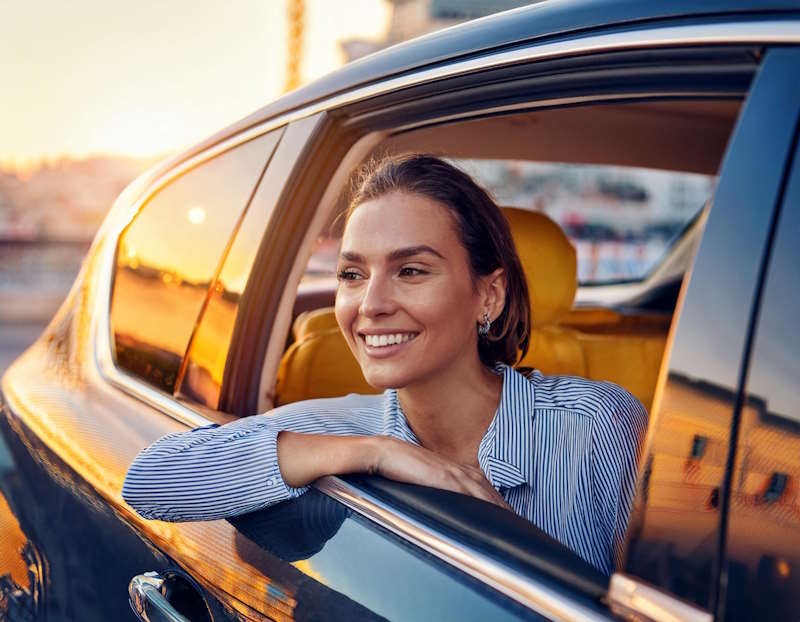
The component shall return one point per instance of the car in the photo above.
(205, 298)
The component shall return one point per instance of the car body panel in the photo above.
(680, 504)
(762, 546)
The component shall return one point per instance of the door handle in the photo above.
(147, 601)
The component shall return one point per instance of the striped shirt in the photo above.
(561, 450)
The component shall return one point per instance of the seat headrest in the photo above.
(549, 261)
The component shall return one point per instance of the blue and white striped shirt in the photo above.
(561, 450)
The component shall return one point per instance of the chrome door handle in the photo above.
(147, 601)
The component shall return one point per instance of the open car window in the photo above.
(623, 202)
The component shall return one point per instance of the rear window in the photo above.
(622, 220)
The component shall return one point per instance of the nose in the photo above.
(378, 297)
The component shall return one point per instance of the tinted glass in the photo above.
(168, 256)
(674, 532)
(208, 352)
(764, 523)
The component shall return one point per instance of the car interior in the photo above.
(614, 329)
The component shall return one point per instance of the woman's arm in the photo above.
(221, 471)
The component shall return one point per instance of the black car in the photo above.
(206, 297)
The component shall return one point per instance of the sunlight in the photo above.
(196, 215)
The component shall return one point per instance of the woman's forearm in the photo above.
(302, 458)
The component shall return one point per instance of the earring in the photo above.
(483, 329)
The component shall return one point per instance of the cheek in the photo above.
(346, 309)
(450, 310)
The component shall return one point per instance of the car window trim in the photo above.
(544, 599)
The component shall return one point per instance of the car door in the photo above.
(692, 476)
(762, 547)
(382, 551)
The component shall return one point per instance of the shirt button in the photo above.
(270, 482)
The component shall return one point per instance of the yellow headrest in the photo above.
(549, 261)
(314, 321)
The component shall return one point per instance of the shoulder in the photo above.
(353, 403)
(351, 414)
(605, 403)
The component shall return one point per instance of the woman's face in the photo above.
(406, 301)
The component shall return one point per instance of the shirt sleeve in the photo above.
(617, 436)
(217, 471)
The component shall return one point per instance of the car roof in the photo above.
(492, 33)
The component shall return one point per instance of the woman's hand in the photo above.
(405, 462)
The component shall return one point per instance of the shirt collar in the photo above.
(505, 451)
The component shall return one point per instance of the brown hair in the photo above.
(483, 230)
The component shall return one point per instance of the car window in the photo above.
(621, 345)
(167, 259)
(622, 220)
(764, 524)
(208, 351)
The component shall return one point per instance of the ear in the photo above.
(493, 294)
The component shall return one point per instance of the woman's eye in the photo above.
(347, 275)
(410, 271)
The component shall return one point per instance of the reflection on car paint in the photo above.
(21, 569)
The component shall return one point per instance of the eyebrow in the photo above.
(400, 253)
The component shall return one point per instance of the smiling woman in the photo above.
(433, 304)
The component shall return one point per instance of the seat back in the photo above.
(319, 363)
(550, 264)
(599, 344)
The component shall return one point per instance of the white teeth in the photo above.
(377, 341)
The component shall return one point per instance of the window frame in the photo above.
(321, 159)
(776, 264)
(405, 109)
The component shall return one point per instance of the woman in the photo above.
(433, 303)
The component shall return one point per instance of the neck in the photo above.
(449, 413)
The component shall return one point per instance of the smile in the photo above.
(381, 341)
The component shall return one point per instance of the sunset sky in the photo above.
(144, 78)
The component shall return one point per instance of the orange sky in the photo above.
(147, 77)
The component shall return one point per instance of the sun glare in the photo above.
(196, 215)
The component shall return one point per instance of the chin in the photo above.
(387, 378)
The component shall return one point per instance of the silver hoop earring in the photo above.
(483, 329)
